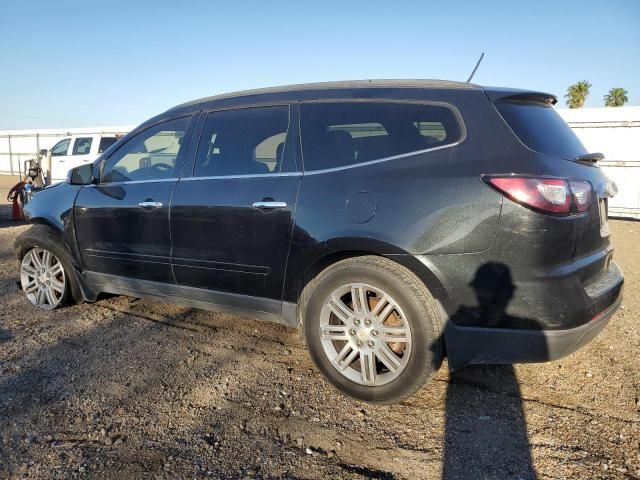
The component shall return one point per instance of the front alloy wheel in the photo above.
(43, 278)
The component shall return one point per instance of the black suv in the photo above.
(393, 222)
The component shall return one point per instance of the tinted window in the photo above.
(270, 151)
(540, 128)
(61, 147)
(150, 155)
(432, 130)
(106, 142)
(339, 134)
(82, 146)
(359, 130)
(249, 141)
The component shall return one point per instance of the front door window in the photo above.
(151, 155)
(60, 148)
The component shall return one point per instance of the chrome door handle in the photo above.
(150, 204)
(269, 205)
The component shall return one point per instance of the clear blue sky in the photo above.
(85, 63)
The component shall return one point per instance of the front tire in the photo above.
(43, 279)
(372, 328)
(45, 258)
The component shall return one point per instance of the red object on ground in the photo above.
(14, 196)
(16, 211)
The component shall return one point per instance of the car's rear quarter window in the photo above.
(346, 133)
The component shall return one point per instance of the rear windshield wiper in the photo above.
(590, 157)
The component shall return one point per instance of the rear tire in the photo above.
(372, 328)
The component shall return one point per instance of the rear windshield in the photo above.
(540, 128)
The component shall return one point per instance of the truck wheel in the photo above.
(372, 328)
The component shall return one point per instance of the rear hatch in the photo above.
(534, 121)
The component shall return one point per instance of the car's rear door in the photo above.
(231, 220)
(122, 223)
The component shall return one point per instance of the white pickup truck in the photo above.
(76, 150)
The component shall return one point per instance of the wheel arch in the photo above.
(331, 252)
(38, 227)
(46, 222)
(340, 249)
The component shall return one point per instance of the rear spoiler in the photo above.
(590, 157)
(521, 95)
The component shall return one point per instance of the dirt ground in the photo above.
(128, 388)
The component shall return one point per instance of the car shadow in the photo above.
(5, 335)
(6, 214)
(485, 425)
(7, 223)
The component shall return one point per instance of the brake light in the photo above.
(549, 195)
(582, 194)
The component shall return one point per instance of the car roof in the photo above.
(339, 85)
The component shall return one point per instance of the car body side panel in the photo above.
(123, 227)
(117, 236)
(446, 208)
(222, 242)
(53, 206)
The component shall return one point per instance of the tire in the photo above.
(41, 238)
(333, 334)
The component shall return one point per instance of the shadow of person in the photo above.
(485, 427)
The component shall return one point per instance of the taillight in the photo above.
(549, 195)
(582, 194)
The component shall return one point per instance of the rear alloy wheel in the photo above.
(372, 328)
(365, 334)
(43, 278)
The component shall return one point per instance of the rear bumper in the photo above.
(481, 345)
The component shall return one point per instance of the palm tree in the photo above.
(577, 94)
(616, 97)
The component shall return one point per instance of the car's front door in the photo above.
(231, 221)
(122, 222)
(59, 158)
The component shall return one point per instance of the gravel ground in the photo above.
(128, 388)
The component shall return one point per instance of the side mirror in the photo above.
(43, 152)
(82, 175)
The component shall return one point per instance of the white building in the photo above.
(616, 133)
